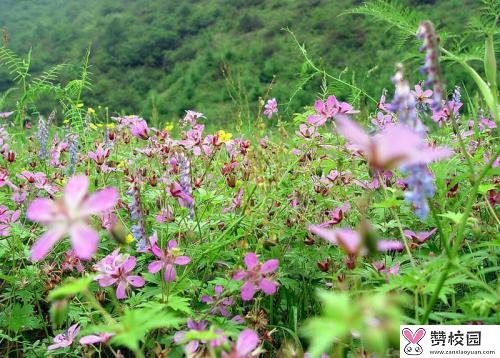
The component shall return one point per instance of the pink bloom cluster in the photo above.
(257, 277)
(70, 215)
(116, 269)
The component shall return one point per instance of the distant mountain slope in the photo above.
(172, 52)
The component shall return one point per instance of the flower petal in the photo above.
(120, 290)
(182, 260)
(247, 342)
(154, 266)
(41, 210)
(100, 201)
(136, 281)
(169, 273)
(269, 287)
(84, 240)
(251, 260)
(75, 190)
(247, 291)
(44, 244)
(269, 266)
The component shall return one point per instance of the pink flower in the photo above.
(5, 115)
(235, 203)
(100, 155)
(307, 132)
(69, 215)
(270, 108)
(328, 109)
(103, 337)
(193, 345)
(65, 339)
(422, 96)
(380, 267)
(257, 277)
(395, 146)
(71, 262)
(184, 199)
(168, 258)
(218, 303)
(247, 341)
(382, 120)
(337, 215)
(421, 236)
(7, 218)
(116, 269)
(443, 115)
(165, 215)
(192, 117)
(351, 242)
(139, 128)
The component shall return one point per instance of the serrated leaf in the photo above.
(70, 287)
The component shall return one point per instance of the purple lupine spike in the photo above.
(136, 215)
(185, 181)
(430, 45)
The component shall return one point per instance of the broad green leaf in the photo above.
(71, 287)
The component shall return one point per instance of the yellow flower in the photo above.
(110, 125)
(99, 125)
(61, 181)
(92, 126)
(79, 105)
(169, 126)
(66, 121)
(91, 110)
(121, 164)
(129, 239)
(224, 136)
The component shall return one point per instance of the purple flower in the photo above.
(5, 115)
(235, 203)
(422, 96)
(394, 146)
(191, 118)
(115, 269)
(168, 258)
(328, 109)
(420, 184)
(139, 128)
(218, 303)
(100, 155)
(428, 35)
(270, 108)
(7, 218)
(184, 198)
(247, 341)
(256, 277)
(65, 339)
(72, 262)
(103, 337)
(191, 346)
(382, 120)
(69, 215)
(337, 215)
(307, 131)
(421, 236)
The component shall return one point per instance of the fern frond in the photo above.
(17, 67)
(49, 76)
(404, 20)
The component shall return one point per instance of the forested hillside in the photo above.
(148, 54)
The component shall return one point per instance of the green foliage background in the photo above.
(171, 54)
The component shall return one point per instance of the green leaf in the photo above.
(71, 287)
(135, 324)
(485, 188)
(392, 202)
(455, 217)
